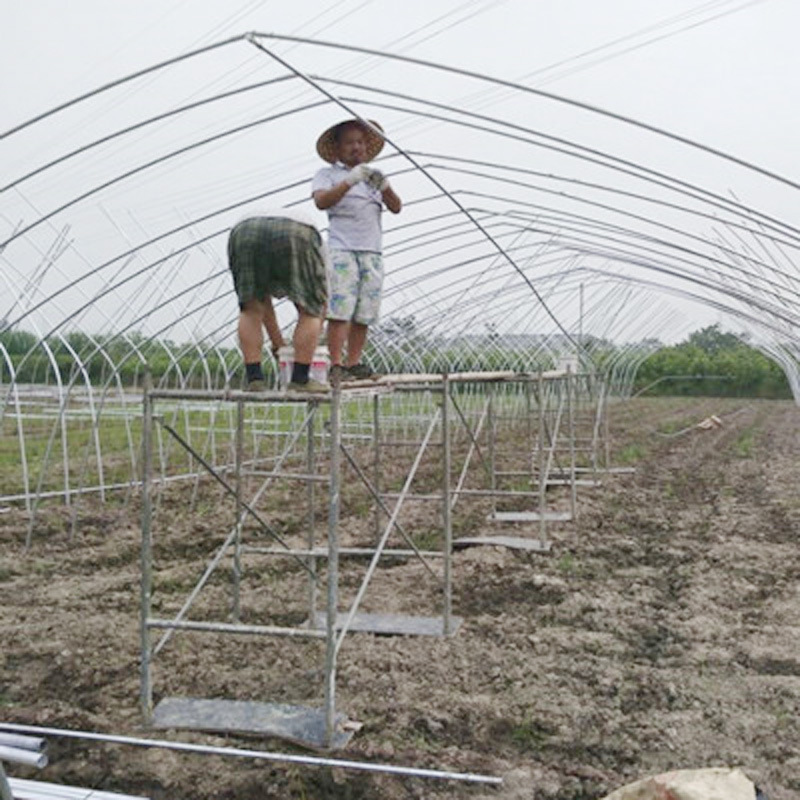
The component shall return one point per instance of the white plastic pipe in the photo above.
(40, 790)
(18, 755)
(23, 742)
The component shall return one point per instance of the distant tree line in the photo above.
(709, 362)
(712, 362)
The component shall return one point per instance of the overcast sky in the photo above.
(724, 72)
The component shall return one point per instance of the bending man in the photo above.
(280, 254)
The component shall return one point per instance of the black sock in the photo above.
(300, 372)
(254, 372)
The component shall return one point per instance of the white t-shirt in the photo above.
(354, 223)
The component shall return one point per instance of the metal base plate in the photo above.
(512, 542)
(530, 516)
(299, 724)
(392, 624)
(569, 482)
(608, 470)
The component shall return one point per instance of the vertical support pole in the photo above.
(376, 475)
(528, 414)
(187, 434)
(606, 436)
(146, 688)
(237, 545)
(311, 418)
(588, 400)
(542, 476)
(573, 504)
(596, 427)
(311, 562)
(447, 517)
(333, 565)
(492, 424)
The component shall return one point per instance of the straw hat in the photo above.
(326, 144)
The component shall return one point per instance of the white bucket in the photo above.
(318, 371)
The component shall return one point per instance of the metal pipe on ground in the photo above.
(363, 766)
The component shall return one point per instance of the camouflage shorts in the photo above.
(356, 286)
(278, 257)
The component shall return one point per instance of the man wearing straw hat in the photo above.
(279, 254)
(353, 194)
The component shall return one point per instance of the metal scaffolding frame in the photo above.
(463, 406)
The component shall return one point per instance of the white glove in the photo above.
(377, 180)
(358, 173)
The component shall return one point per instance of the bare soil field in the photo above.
(661, 631)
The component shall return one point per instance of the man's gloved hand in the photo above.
(358, 173)
(377, 180)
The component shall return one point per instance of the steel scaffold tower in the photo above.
(439, 418)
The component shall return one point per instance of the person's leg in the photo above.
(337, 335)
(306, 336)
(370, 288)
(251, 335)
(308, 290)
(271, 324)
(343, 280)
(356, 339)
(251, 339)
